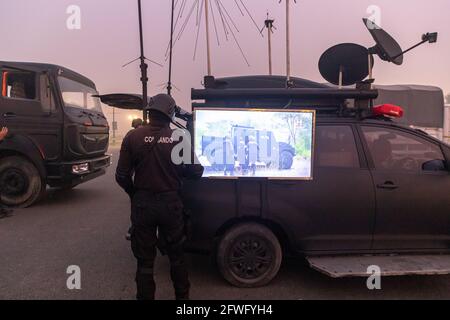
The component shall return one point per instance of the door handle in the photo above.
(9, 115)
(389, 185)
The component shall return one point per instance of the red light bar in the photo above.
(388, 110)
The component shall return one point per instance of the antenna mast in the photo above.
(169, 83)
(208, 47)
(144, 66)
(288, 44)
(268, 23)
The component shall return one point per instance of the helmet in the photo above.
(136, 123)
(164, 104)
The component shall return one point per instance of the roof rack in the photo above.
(270, 92)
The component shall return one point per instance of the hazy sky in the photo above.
(35, 30)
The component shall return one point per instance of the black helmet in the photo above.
(164, 104)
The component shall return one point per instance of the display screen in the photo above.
(255, 143)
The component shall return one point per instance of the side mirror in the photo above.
(434, 165)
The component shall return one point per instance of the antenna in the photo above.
(348, 63)
(208, 48)
(345, 64)
(289, 83)
(268, 23)
(214, 10)
(144, 66)
(169, 82)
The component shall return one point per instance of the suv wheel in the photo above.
(20, 182)
(249, 255)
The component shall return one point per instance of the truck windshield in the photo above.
(78, 95)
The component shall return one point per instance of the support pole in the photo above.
(370, 68)
(288, 44)
(269, 25)
(208, 48)
(144, 67)
(169, 83)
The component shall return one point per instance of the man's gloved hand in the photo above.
(3, 133)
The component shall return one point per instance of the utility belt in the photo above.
(148, 194)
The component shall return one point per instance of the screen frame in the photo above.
(313, 138)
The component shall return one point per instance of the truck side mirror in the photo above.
(434, 165)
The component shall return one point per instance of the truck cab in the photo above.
(58, 135)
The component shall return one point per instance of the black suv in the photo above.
(378, 187)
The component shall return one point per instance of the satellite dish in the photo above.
(345, 64)
(387, 48)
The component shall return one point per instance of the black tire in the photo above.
(286, 160)
(20, 182)
(256, 252)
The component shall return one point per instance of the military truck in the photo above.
(58, 134)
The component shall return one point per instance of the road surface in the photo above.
(86, 227)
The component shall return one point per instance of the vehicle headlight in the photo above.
(80, 168)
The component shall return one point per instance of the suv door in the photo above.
(412, 184)
(28, 107)
(335, 211)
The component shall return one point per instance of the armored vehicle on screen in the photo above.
(238, 146)
(58, 135)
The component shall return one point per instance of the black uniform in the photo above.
(156, 203)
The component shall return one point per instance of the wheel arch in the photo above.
(22, 146)
(283, 146)
(276, 228)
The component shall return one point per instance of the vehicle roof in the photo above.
(40, 67)
(266, 91)
(263, 81)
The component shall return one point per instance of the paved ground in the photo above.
(86, 227)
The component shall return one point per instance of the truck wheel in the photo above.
(286, 160)
(249, 255)
(20, 182)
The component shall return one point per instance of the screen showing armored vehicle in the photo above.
(255, 143)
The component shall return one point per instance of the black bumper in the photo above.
(60, 174)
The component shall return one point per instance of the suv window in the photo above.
(19, 85)
(336, 147)
(397, 150)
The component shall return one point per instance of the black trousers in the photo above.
(162, 212)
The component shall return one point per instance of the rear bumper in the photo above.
(61, 174)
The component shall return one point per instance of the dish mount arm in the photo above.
(427, 37)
